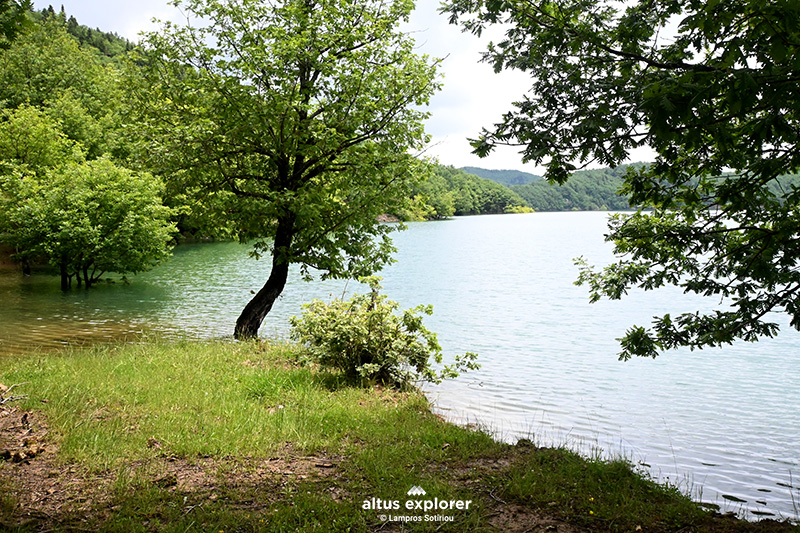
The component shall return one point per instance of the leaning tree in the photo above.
(712, 87)
(293, 122)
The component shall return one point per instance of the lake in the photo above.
(722, 424)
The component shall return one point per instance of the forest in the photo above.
(73, 193)
(586, 190)
(83, 112)
(67, 119)
(476, 191)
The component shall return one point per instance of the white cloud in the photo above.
(473, 96)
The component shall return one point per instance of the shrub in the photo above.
(367, 341)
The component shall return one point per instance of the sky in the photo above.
(473, 96)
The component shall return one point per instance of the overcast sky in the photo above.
(473, 95)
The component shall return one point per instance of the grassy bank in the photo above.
(240, 437)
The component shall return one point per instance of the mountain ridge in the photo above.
(507, 177)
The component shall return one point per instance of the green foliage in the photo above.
(419, 209)
(44, 63)
(711, 88)
(508, 178)
(477, 196)
(46, 68)
(368, 342)
(587, 190)
(446, 191)
(109, 45)
(85, 219)
(32, 140)
(294, 120)
(519, 209)
(103, 45)
(82, 217)
(12, 19)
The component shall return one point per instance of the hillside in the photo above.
(587, 190)
(503, 177)
(448, 191)
(109, 45)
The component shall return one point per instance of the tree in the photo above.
(86, 219)
(46, 68)
(712, 87)
(293, 120)
(33, 140)
(12, 19)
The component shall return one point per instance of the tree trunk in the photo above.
(256, 310)
(65, 278)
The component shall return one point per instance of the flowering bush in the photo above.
(366, 340)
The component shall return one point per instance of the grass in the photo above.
(222, 436)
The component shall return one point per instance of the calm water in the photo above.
(723, 424)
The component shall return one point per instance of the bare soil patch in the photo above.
(39, 489)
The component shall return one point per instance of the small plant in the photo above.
(366, 340)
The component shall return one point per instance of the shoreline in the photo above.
(321, 448)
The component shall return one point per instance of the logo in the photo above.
(416, 510)
(416, 491)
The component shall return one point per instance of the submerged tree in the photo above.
(713, 88)
(293, 121)
(83, 218)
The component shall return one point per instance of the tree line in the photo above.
(68, 125)
(293, 125)
(475, 191)
(71, 194)
(447, 191)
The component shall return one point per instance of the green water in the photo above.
(197, 294)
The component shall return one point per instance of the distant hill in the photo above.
(109, 45)
(448, 191)
(586, 190)
(503, 177)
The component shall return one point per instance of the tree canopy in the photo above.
(109, 45)
(509, 178)
(66, 198)
(586, 190)
(712, 87)
(12, 19)
(294, 120)
(447, 192)
(86, 219)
